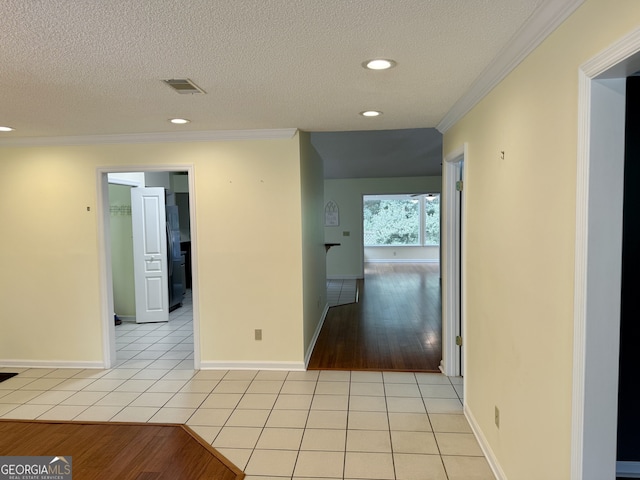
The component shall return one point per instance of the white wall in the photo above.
(400, 254)
(346, 261)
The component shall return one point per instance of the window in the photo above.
(431, 205)
(392, 220)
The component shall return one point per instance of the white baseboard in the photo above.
(312, 344)
(484, 445)
(402, 260)
(628, 469)
(208, 365)
(295, 366)
(344, 277)
(127, 318)
(50, 364)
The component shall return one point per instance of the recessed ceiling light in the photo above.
(371, 113)
(179, 121)
(6, 129)
(379, 64)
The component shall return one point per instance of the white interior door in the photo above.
(458, 253)
(452, 308)
(150, 263)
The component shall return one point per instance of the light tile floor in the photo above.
(272, 424)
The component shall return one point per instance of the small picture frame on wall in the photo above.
(331, 214)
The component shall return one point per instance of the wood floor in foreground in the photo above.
(396, 324)
(123, 451)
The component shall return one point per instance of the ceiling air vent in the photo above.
(183, 85)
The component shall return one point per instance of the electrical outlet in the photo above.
(497, 417)
(258, 333)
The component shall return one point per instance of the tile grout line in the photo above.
(178, 366)
(253, 449)
(346, 429)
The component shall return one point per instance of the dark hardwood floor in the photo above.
(117, 450)
(396, 325)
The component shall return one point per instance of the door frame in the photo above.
(104, 254)
(452, 251)
(598, 257)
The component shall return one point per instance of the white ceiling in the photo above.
(380, 153)
(86, 67)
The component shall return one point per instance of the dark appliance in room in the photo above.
(176, 259)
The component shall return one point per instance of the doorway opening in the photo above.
(452, 262)
(598, 260)
(169, 338)
(396, 322)
(401, 245)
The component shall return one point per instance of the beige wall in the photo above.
(519, 241)
(249, 248)
(346, 261)
(314, 272)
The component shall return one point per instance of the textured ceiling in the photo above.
(86, 67)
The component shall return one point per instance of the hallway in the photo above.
(276, 424)
(396, 324)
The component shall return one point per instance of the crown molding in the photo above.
(169, 137)
(544, 20)
(618, 61)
